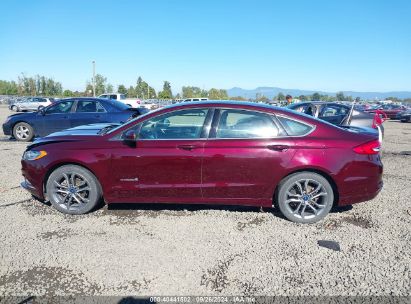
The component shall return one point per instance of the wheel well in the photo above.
(46, 177)
(322, 173)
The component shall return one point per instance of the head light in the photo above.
(34, 155)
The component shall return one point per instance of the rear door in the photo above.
(88, 111)
(244, 158)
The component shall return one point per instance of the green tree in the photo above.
(131, 92)
(166, 92)
(121, 89)
(340, 96)
(109, 88)
(316, 96)
(280, 96)
(68, 93)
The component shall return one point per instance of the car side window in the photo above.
(113, 97)
(100, 108)
(333, 110)
(293, 127)
(86, 106)
(245, 124)
(61, 107)
(183, 124)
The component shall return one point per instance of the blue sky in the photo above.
(321, 45)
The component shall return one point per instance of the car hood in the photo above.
(23, 115)
(80, 133)
(85, 130)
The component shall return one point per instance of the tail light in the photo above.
(368, 148)
(379, 118)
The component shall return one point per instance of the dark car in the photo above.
(338, 114)
(208, 153)
(68, 113)
(404, 116)
(389, 110)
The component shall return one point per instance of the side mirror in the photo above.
(42, 111)
(130, 137)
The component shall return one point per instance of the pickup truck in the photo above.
(132, 102)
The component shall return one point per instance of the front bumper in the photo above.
(6, 129)
(30, 188)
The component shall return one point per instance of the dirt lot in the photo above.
(174, 250)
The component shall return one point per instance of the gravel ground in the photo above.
(184, 250)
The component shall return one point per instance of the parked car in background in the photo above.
(132, 102)
(404, 116)
(31, 104)
(338, 114)
(68, 113)
(390, 110)
(195, 99)
(209, 153)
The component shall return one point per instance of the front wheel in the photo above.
(73, 189)
(14, 108)
(305, 197)
(22, 131)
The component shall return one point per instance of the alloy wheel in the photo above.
(306, 199)
(71, 191)
(22, 132)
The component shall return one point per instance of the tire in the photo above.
(79, 197)
(14, 108)
(298, 203)
(22, 131)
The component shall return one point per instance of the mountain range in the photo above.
(271, 92)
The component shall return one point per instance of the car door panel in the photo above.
(157, 171)
(244, 170)
(165, 163)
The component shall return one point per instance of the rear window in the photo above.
(115, 106)
(293, 127)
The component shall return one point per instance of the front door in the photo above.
(244, 158)
(164, 165)
(56, 118)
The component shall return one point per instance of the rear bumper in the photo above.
(367, 195)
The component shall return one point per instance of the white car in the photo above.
(132, 102)
(31, 104)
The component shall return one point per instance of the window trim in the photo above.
(205, 130)
(313, 127)
(216, 123)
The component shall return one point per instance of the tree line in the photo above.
(44, 86)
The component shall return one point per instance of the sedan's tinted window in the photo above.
(183, 124)
(245, 124)
(61, 107)
(333, 110)
(86, 106)
(113, 97)
(293, 127)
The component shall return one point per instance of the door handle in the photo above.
(187, 147)
(279, 148)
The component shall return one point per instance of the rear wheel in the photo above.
(14, 108)
(305, 197)
(22, 131)
(73, 189)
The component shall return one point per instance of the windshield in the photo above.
(131, 121)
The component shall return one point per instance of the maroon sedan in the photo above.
(208, 153)
(388, 110)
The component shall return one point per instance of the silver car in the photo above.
(31, 104)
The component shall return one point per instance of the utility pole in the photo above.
(94, 78)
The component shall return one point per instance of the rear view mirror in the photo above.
(42, 111)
